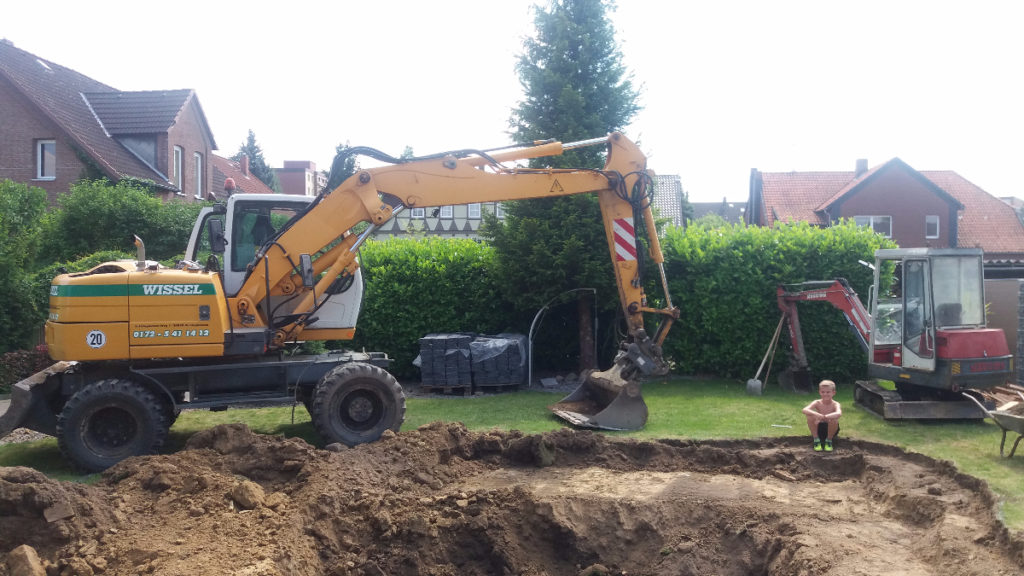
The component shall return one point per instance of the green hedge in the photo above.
(724, 281)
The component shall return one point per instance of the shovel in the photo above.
(754, 386)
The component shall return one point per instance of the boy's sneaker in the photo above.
(828, 445)
(817, 445)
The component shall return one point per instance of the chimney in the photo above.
(862, 167)
(244, 162)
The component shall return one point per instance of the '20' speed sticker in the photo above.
(96, 339)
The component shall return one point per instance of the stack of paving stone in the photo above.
(455, 362)
(498, 361)
(445, 361)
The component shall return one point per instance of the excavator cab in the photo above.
(929, 332)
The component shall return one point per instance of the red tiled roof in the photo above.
(224, 168)
(795, 196)
(986, 222)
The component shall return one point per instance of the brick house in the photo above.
(58, 126)
(927, 208)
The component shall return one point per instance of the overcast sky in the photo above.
(727, 86)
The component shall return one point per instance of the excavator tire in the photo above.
(110, 420)
(356, 403)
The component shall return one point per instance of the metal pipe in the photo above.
(585, 143)
(664, 285)
(536, 323)
(370, 230)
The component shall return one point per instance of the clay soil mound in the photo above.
(444, 501)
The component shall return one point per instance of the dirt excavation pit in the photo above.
(444, 501)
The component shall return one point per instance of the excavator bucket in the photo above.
(604, 400)
(28, 407)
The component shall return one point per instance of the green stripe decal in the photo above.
(89, 290)
(115, 290)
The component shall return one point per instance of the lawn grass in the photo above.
(682, 408)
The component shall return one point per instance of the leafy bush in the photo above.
(418, 287)
(97, 215)
(21, 208)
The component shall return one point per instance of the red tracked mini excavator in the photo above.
(926, 332)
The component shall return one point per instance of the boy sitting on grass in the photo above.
(823, 416)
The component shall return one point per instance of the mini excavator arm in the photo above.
(836, 292)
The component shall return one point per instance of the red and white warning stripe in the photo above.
(625, 239)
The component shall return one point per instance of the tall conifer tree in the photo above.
(257, 164)
(576, 87)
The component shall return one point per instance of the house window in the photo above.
(931, 226)
(418, 213)
(474, 210)
(199, 174)
(880, 224)
(499, 210)
(176, 174)
(446, 211)
(46, 159)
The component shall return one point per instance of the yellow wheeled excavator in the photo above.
(136, 342)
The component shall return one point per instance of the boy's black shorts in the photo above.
(823, 431)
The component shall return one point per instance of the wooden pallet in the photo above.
(495, 388)
(1003, 394)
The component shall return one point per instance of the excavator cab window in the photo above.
(959, 292)
(251, 230)
(253, 226)
(918, 324)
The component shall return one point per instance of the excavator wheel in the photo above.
(355, 403)
(110, 420)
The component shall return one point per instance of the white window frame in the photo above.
(418, 213)
(474, 210)
(177, 167)
(447, 212)
(499, 210)
(875, 222)
(41, 167)
(929, 220)
(198, 160)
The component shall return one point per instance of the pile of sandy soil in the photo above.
(445, 501)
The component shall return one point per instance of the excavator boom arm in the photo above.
(375, 195)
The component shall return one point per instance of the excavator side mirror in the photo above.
(217, 241)
(306, 269)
